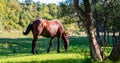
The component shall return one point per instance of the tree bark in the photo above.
(86, 16)
(115, 54)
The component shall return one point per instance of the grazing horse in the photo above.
(46, 28)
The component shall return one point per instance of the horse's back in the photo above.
(55, 21)
(53, 27)
(59, 24)
(50, 28)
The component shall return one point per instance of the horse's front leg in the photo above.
(51, 42)
(34, 47)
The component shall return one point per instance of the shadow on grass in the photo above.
(22, 46)
(9, 46)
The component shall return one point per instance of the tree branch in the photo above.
(110, 4)
(87, 6)
(78, 9)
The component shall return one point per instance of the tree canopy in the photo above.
(16, 15)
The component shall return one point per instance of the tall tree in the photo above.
(115, 54)
(95, 15)
(86, 16)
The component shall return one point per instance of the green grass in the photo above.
(17, 50)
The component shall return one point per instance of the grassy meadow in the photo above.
(16, 48)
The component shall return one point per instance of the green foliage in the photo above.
(24, 13)
(22, 23)
(53, 10)
(109, 9)
(19, 15)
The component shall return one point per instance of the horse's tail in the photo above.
(65, 39)
(28, 29)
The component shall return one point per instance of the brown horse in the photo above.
(50, 29)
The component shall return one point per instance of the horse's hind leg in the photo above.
(34, 47)
(51, 42)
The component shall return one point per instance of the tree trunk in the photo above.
(114, 40)
(105, 28)
(95, 51)
(97, 31)
(119, 36)
(86, 16)
(115, 54)
(95, 15)
(108, 42)
(105, 35)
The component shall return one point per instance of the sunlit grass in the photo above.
(44, 57)
(17, 50)
(13, 34)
